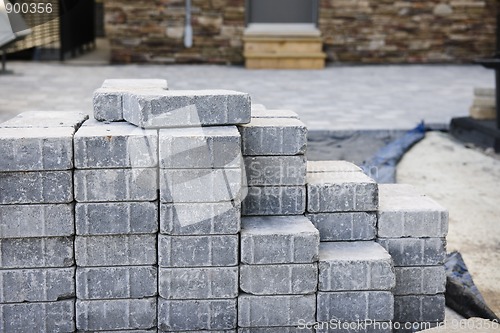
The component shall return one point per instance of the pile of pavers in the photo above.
(484, 104)
(190, 211)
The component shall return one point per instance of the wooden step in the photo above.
(285, 61)
(282, 45)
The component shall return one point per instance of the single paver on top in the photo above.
(108, 100)
(116, 282)
(278, 240)
(198, 283)
(200, 147)
(345, 226)
(31, 221)
(282, 279)
(352, 266)
(36, 149)
(186, 108)
(351, 306)
(273, 136)
(275, 311)
(115, 145)
(273, 113)
(219, 218)
(410, 215)
(331, 166)
(426, 280)
(49, 119)
(116, 314)
(44, 317)
(275, 170)
(36, 187)
(419, 308)
(215, 315)
(341, 192)
(37, 285)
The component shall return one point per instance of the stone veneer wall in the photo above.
(354, 31)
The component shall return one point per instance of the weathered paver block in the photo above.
(355, 327)
(347, 226)
(116, 185)
(274, 200)
(108, 100)
(192, 315)
(331, 166)
(278, 240)
(355, 305)
(301, 329)
(427, 280)
(116, 282)
(275, 170)
(186, 108)
(198, 283)
(200, 185)
(341, 192)
(410, 215)
(36, 252)
(36, 149)
(200, 218)
(115, 145)
(116, 218)
(19, 221)
(116, 314)
(44, 317)
(42, 119)
(120, 250)
(274, 136)
(273, 113)
(350, 266)
(200, 147)
(36, 187)
(37, 285)
(275, 311)
(419, 308)
(197, 251)
(415, 251)
(284, 279)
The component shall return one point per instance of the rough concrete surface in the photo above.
(466, 182)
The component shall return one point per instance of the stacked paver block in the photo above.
(273, 146)
(201, 181)
(413, 227)
(278, 273)
(356, 275)
(116, 226)
(37, 222)
(484, 104)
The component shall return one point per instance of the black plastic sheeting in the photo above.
(462, 294)
(382, 166)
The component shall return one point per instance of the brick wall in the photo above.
(356, 31)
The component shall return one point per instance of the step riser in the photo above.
(285, 63)
(284, 46)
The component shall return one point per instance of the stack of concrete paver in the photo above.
(413, 227)
(278, 272)
(273, 147)
(37, 222)
(167, 238)
(484, 104)
(356, 275)
(116, 225)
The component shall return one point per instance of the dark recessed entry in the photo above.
(282, 11)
